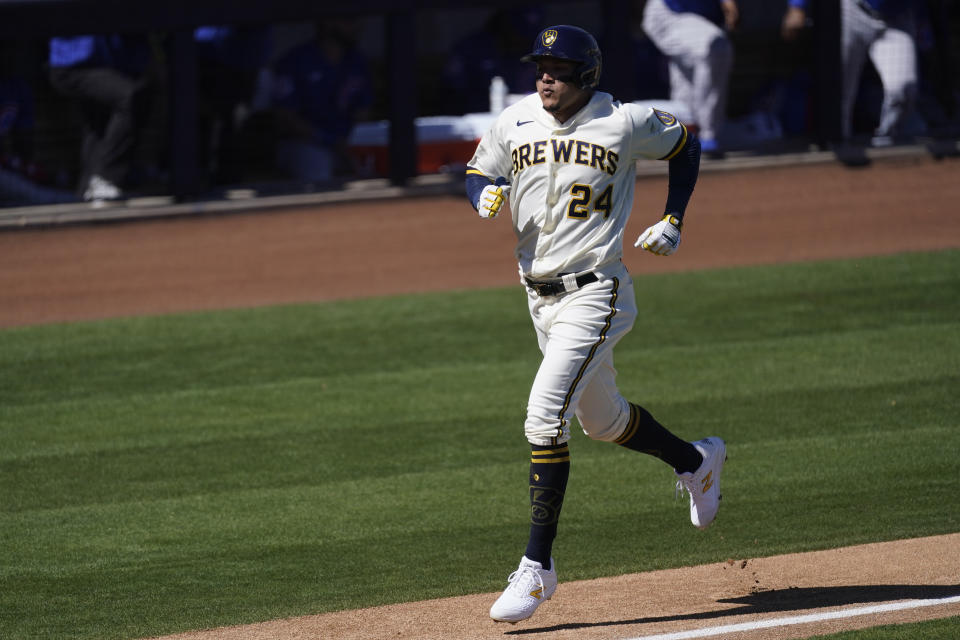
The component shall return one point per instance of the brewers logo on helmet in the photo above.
(566, 42)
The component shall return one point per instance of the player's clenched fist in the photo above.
(662, 238)
(491, 200)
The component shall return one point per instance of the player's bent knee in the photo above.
(603, 417)
(605, 433)
(606, 428)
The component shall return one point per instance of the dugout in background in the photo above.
(786, 99)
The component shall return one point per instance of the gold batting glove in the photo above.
(491, 200)
(662, 238)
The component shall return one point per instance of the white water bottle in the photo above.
(498, 94)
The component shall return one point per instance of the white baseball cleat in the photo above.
(703, 485)
(530, 586)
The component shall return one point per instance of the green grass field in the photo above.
(930, 630)
(162, 474)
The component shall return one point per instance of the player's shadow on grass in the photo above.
(792, 599)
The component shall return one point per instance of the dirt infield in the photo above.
(429, 244)
(435, 244)
(763, 591)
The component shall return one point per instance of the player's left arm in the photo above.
(663, 238)
(683, 171)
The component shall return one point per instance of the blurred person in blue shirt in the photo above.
(884, 31)
(693, 36)
(107, 77)
(320, 90)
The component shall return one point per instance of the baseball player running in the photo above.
(565, 157)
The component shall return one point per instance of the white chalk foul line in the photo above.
(706, 632)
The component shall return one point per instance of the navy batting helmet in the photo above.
(566, 42)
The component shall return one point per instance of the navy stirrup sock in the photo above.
(549, 470)
(646, 435)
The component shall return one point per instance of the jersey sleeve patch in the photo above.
(668, 119)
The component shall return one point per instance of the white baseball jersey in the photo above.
(572, 184)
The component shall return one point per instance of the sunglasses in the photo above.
(567, 77)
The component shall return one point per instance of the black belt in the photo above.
(555, 286)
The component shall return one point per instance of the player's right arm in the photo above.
(487, 189)
(486, 197)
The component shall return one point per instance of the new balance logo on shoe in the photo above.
(708, 482)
